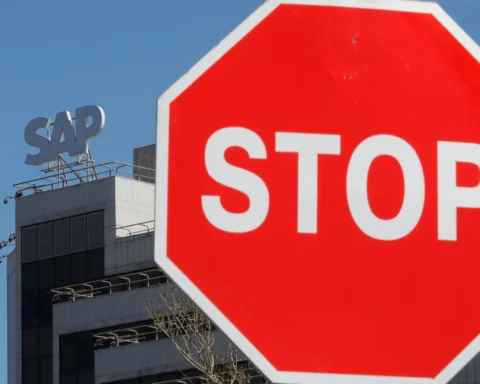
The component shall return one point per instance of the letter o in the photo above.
(357, 194)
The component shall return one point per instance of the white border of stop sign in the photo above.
(449, 153)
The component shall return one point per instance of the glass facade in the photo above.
(77, 363)
(54, 254)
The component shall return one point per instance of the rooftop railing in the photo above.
(135, 229)
(83, 173)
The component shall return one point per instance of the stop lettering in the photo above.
(308, 147)
(318, 191)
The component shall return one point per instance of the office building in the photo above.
(78, 278)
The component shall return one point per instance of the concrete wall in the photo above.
(134, 202)
(125, 250)
(129, 253)
(143, 359)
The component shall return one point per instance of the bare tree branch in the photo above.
(193, 335)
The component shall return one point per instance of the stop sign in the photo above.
(318, 190)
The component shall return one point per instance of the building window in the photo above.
(96, 263)
(29, 244)
(45, 241)
(79, 233)
(30, 343)
(45, 310)
(86, 357)
(79, 267)
(68, 379)
(29, 277)
(68, 353)
(46, 370)
(86, 378)
(45, 274)
(77, 358)
(30, 371)
(45, 341)
(57, 254)
(95, 230)
(63, 270)
(29, 310)
(62, 237)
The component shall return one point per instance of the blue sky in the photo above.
(121, 55)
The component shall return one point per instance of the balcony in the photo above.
(109, 285)
(140, 359)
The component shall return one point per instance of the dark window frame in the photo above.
(33, 371)
(85, 240)
(45, 341)
(30, 350)
(102, 241)
(51, 223)
(45, 282)
(86, 214)
(62, 271)
(67, 236)
(36, 301)
(32, 269)
(79, 268)
(22, 229)
(30, 316)
(48, 379)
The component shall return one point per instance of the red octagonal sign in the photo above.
(318, 190)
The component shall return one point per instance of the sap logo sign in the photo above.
(63, 138)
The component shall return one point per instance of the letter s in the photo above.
(37, 141)
(236, 178)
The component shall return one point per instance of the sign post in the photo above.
(318, 191)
